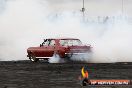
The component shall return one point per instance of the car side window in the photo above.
(52, 43)
(63, 42)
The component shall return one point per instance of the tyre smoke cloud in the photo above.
(25, 23)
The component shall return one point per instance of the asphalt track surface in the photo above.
(25, 74)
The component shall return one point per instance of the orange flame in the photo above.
(84, 73)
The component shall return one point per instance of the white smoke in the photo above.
(20, 23)
(25, 23)
(85, 57)
(56, 59)
(115, 43)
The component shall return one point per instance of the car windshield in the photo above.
(70, 42)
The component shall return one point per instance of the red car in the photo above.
(64, 47)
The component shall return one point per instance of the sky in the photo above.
(93, 7)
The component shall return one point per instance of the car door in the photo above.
(52, 48)
(43, 50)
(47, 49)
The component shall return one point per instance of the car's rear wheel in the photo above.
(33, 58)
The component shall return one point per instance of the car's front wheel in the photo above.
(33, 58)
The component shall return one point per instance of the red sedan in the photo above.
(64, 47)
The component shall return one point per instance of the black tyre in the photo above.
(33, 58)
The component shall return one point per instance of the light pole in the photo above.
(83, 10)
